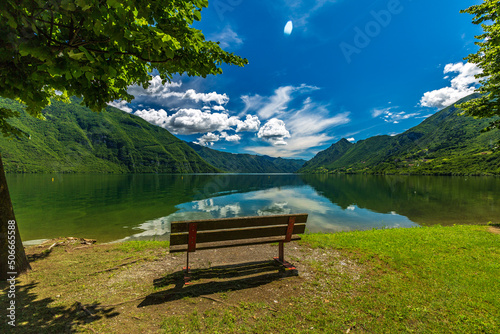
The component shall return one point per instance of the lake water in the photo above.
(141, 206)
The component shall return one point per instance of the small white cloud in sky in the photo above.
(462, 85)
(376, 112)
(351, 140)
(288, 28)
(250, 124)
(207, 139)
(218, 108)
(302, 10)
(232, 138)
(227, 38)
(274, 131)
(391, 116)
(121, 104)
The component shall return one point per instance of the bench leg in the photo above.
(281, 257)
(186, 270)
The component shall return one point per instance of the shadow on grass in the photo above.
(34, 315)
(220, 279)
(38, 256)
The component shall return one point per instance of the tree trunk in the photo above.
(13, 262)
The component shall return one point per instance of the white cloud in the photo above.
(376, 112)
(191, 94)
(227, 38)
(163, 92)
(250, 124)
(121, 104)
(207, 139)
(252, 102)
(277, 103)
(295, 146)
(156, 87)
(307, 127)
(231, 138)
(156, 117)
(391, 116)
(301, 10)
(189, 121)
(274, 131)
(217, 108)
(313, 118)
(351, 140)
(396, 117)
(268, 107)
(462, 85)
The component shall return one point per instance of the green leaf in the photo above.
(10, 20)
(87, 54)
(113, 3)
(197, 15)
(76, 56)
(129, 40)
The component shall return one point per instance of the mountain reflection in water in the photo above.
(142, 206)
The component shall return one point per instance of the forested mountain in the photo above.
(75, 139)
(247, 163)
(446, 143)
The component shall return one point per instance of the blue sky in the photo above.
(341, 69)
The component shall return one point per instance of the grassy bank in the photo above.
(422, 280)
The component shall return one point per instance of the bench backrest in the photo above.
(228, 232)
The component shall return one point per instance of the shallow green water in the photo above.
(141, 206)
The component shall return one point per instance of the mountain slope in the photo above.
(247, 163)
(75, 139)
(329, 155)
(445, 143)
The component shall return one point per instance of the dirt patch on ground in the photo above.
(494, 229)
(76, 286)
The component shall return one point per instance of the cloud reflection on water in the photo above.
(324, 216)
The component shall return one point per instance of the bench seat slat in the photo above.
(236, 234)
(231, 243)
(237, 222)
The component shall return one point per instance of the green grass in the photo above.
(138, 246)
(419, 280)
(427, 279)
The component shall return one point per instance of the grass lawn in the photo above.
(422, 280)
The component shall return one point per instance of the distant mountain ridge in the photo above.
(446, 143)
(247, 163)
(75, 139)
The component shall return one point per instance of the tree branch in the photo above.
(51, 28)
(77, 30)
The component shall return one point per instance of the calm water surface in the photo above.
(141, 206)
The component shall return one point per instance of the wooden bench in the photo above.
(189, 236)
